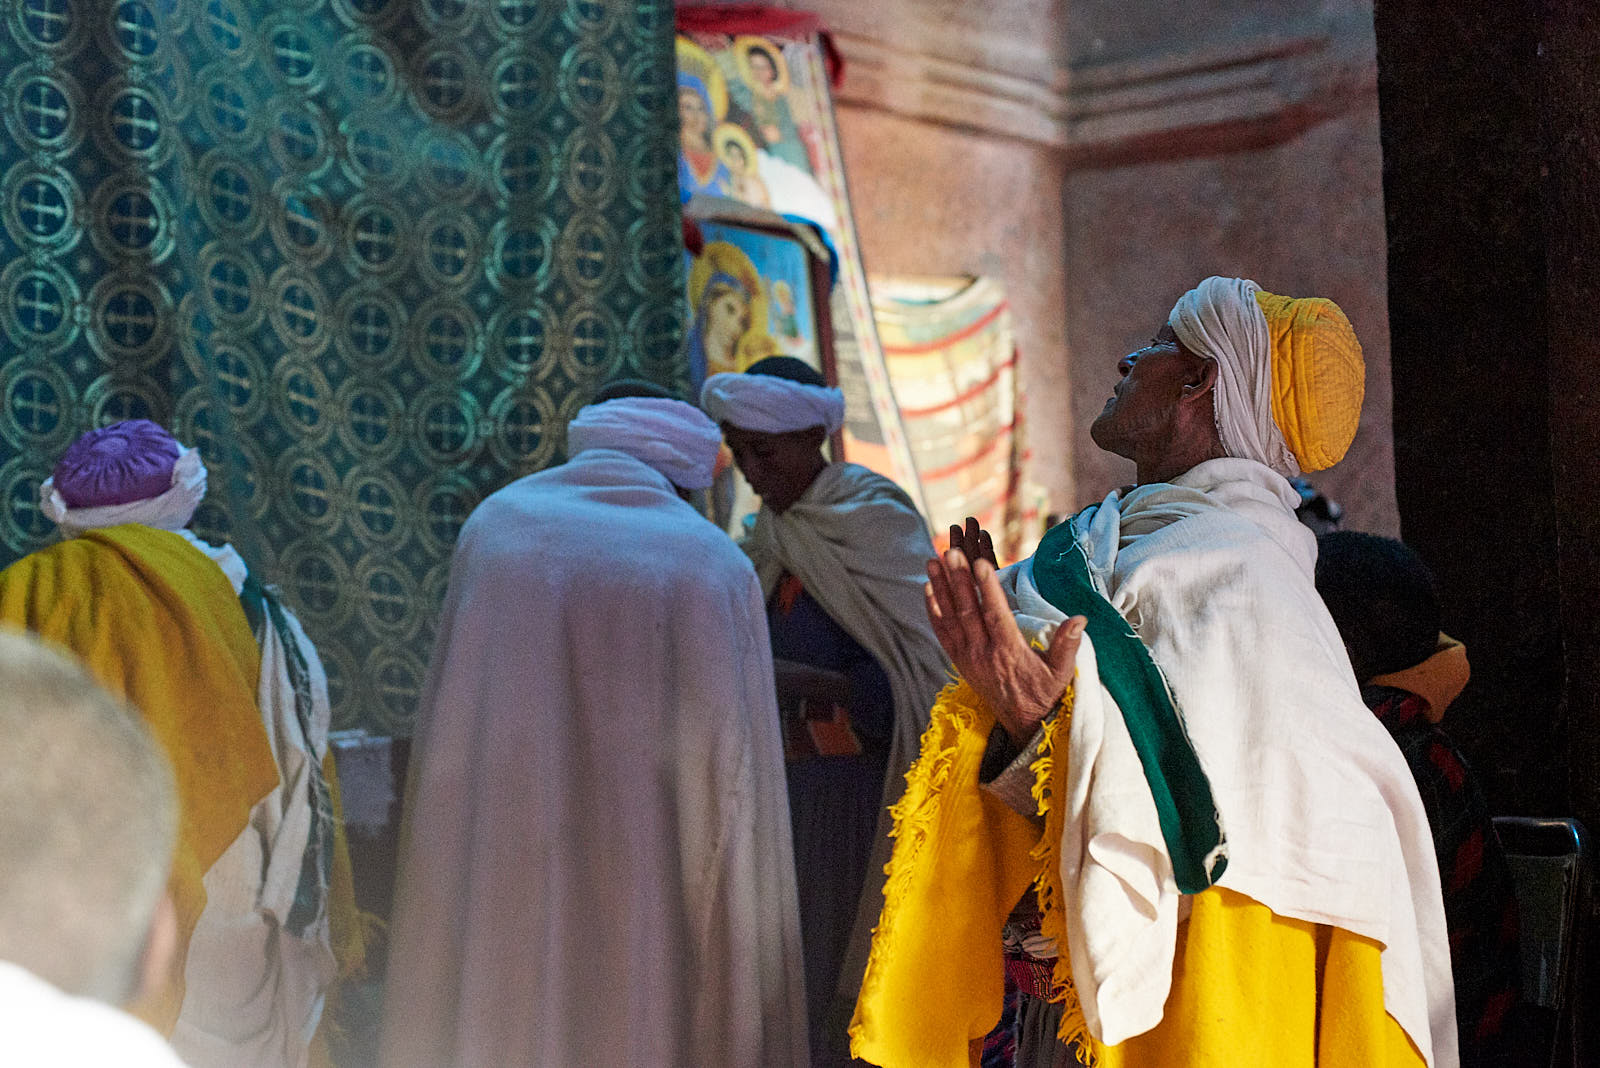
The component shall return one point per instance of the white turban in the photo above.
(170, 510)
(670, 436)
(771, 405)
(1221, 320)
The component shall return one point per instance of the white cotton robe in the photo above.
(596, 867)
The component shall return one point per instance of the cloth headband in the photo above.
(169, 510)
(670, 436)
(1221, 320)
(771, 405)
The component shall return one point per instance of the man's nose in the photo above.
(1125, 364)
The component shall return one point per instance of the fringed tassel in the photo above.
(1049, 784)
(913, 815)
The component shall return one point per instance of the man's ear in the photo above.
(815, 436)
(161, 946)
(1202, 379)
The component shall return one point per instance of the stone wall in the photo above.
(1100, 158)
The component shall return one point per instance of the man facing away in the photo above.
(232, 687)
(88, 821)
(840, 552)
(596, 867)
(1229, 851)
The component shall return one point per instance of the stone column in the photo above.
(1490, 128)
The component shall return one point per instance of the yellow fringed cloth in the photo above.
(1250, 989)
(962, 859)
(159, 624)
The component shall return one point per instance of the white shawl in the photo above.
(255, 992)
(1322, 816)
(861, 548)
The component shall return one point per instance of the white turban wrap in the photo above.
(670, 436)
(1221, 320)
(771, 405)
(171, 510)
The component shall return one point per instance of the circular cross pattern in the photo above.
(519, 256)
(37, 306)
(447, 423)
(448, 339)
(20, 518)
(230, 282)
(311, 489)
(519, 165)
(371, 325)
(386, 594)
(303, 398)
(113, 398)
(443, 504)
(376, 239)
(451, 248)
(240, 379)
(298, 139)
(372, 419)
(228, 196)
(519, 343)
(41, 207)
(132, 319)
(37, 407)
(317, 581)
(299, 310)
(294, 55)
(595, 348)
(450, 167)
(133, 221)
(52, 26)
(298, 221)
(446, 83)
(524, 436)
(377, 506)
(373, 155)
(46, 109)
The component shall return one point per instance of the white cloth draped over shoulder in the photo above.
(1322, 816)
(597, 865)
(254, 991)
(861, 548)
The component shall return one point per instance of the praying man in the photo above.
(596, 865)
(1155, 727)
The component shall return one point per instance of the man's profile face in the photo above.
(1142, 406)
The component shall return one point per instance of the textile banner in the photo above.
(756, 125)
(952, 357)
(368, 255)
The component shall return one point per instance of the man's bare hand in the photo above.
(972, 621)
(973, 541)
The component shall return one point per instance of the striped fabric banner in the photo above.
(952, 360)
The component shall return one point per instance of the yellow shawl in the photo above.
(158, 623)
(962, 860)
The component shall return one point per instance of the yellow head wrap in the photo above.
(1318, 377)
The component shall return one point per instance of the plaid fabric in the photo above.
(1479, 905)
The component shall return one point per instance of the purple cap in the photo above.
(117, 464)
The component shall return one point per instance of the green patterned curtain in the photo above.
(368, 255)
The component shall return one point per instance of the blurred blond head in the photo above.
(88, 823)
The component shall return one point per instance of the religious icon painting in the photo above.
(756, 128)
(753, 293)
